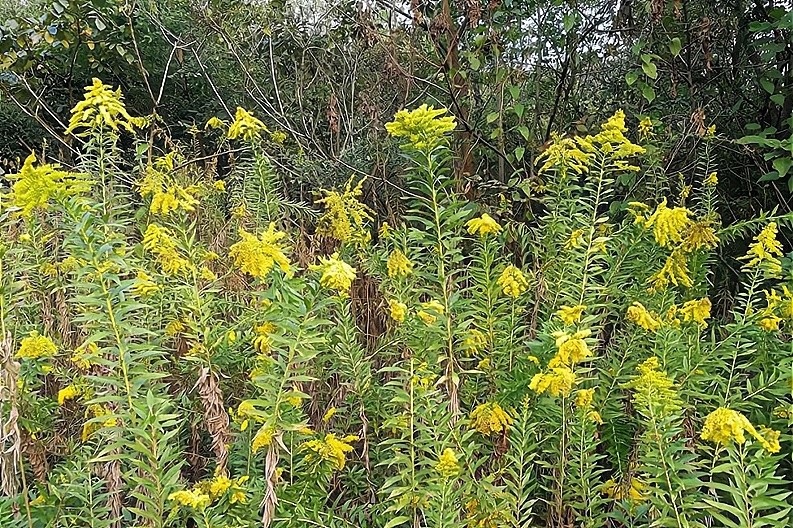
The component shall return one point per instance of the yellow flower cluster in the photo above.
(262, 438)
(448, 465)
(571, 348)
(166, 195)
(483, 226)
(712, 179)
(475, 341)
(697, 310)
(764, 252)
(257, 256)
(36, 346)
(397, 310)
(245, 126)
(100, 107)
(159, 241)
(34, 187)
(636, 490)
(84, 355)
(611, 140)
(699, 235)
(489, 418)
(645, 128)
(95, 412)
(429, 311)
(643, 317)
(571, 314)
(398, 264)
(512, 282)
(653, 388)
(776, 306)
(336, 274)
(668, 224)
(674, 271)
(564, 154)
(332, 449)
(423, 128)
(345, 217)
(261, 340)
(557, 381)
(69, 392)
(144, 285)
(583, 401)
(723, 426)
(191, 498)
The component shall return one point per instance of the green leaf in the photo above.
(675, 46)
(650, 70)
(782, 165)
(631, 77)
(474, 62)
(518, 108)
(519, 152)
(396, 521)
(514, 92)
(648, 92)
(491, 117)
(767, 85)
(778, 99)
(524, 131)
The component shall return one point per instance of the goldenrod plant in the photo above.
(184, 349)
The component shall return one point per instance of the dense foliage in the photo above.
(472, 264)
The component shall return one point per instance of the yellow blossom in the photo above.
(653, 388)
(723, 426)
(159, 241)
(563, 154)
(398, 264)
(712, 179)
(764, 251)
(336, 274)
(484, 225)
(191, 498)
(263, 438)
(34, 187)
(245, 126)
(645, 128)
(397, 310)
(36, 346)
(345, 217)
(144, 285)
(583, 398)
(261, 343)
(429, 311)
(638, 210)
(92, 425)
(668, 224)
(102, 106)
(69, 392)
(489, 418)
(174, 327)
(512, 282)
(214, 122)
(697, 311)
(641, 316)
(329, 414)
(475, 341)
(447, 465)
(571, 348)
(557, 381)
(207, 274)
(331, 449)
(674, 271)
(770, 323)
(423, 128)
(575, 239)
(385, 231)
(257, 256)
(571, 314)
(699, 235)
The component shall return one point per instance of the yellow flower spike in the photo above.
(475, 341)
(712, 179)
(652, 387)
(641, 316)
(398, 264)
(36, 346)
(448, 465)
(512, 282)
(697, 311)
(489, 418)
(102, 107)
(770, 323)
(263, 438)
(429, 311)
(764, 251)
(571, 314)
(144, 285)
(159, 242)
(257, 256)
(69, 392)
(329, 414)
(34, 187)
(397, 310)
(191, 498)
(668, 224)
(557, 381)
(674, 271)
(699, 235)
(423, 128)
(345, 216)
(245, 126)
(483, 226)
(336, 274)
(724, 426)
(214, 123)
(584, 397)
(564, 154)
(331, 449)
(571, 348)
